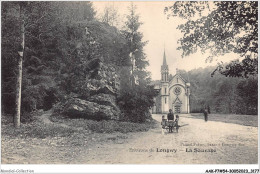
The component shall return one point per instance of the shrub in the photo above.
(135, 103)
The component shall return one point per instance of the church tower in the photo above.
(164, 86)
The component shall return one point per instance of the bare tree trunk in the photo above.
(20, 69)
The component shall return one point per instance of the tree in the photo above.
(110, 15)
(20, 65)
(220, 28)
(247, 92)
(136, 45)
(136, 99)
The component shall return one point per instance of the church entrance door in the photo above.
(177, 109)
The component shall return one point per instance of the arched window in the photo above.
(165, 100)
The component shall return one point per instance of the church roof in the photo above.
(179, 77)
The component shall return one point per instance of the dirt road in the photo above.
(197, 142)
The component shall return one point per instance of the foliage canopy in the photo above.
(220, 28)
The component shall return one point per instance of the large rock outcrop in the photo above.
(93, 80)
(98, 101)
(76, 107)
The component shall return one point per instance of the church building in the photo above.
(172, 94)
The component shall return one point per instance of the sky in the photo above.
(161, 33)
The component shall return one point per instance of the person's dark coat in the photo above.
(205, 115)
(170, 116)
(208, 109)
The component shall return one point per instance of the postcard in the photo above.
(171, 83)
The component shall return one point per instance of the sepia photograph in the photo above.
(129, 82)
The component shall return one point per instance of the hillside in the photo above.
(73, 63)
(222, 94)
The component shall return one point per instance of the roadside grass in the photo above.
(36, 130)
(66, 127)
(104, 126)
(246, 120)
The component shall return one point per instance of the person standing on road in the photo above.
(170, 118)
(205, 114)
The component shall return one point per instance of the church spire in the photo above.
(164, 68)
(164, 59)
